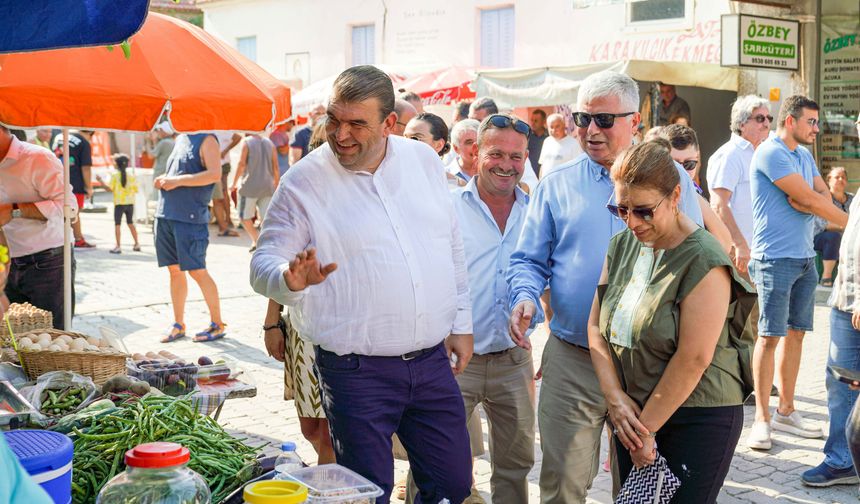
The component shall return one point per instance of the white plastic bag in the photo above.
(60, 393)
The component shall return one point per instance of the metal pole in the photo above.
(67, 236)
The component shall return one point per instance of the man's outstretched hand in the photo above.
(305, 270)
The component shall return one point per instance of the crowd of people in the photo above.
(407, 263)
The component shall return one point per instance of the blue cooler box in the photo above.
(47, 456)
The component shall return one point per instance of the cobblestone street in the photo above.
(130, 293)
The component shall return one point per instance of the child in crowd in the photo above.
(124, 188)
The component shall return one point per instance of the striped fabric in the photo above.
(847, 284)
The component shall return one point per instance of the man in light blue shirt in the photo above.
(564, 242)
(786, 192)
(491, 211)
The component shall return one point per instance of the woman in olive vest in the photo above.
(672, 367)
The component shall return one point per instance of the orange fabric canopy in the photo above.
(175, 68)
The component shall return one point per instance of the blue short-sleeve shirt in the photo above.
(779, 231)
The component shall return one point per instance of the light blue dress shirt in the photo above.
(488, 254)
(565, 239)
(779, 231)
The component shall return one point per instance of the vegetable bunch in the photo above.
(223, 461)
(61, 402)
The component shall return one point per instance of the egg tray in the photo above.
(24, 318)
(98, 365)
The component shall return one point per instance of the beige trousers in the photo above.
(571, 415)
(504, 385)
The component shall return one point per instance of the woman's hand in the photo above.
(624, 415)
(646, 455)
(275, 343)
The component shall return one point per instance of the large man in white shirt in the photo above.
(361, 240)
(729, 173)
(31, 216)
(559, 147)
(491, 211)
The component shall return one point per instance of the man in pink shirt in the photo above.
(31, 217)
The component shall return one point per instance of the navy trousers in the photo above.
(367, 399)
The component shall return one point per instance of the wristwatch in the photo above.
(16, 212)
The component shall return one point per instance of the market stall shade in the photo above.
(445, 86)
(175, 67)
(26, 25)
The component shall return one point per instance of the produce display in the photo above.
(60, 393)
(223, 461)
(62, 402)
(63, 343)
(173, 375)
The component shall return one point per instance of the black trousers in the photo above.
(698, 444)
(38, 279)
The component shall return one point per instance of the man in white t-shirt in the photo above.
(559, 147)
(728, 173)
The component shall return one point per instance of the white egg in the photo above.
(63, 345)
(43, 344)
(92, 340)
(65, 337)
(78, 344)
(25, 341)
(55, 348)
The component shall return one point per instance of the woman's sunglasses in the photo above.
(759, 118)
(622, 212)
(604, 120)
(503, 121)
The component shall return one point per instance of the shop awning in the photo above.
(532, 87)
(26, 25)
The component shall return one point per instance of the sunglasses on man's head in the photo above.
(690, 164)
(643, 213)
(503, 121)
(759, 118)
(603, 120)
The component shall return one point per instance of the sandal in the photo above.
(173, 336)
(827, 282)
(116, 250)
(136, 248)
(228, 233)
(211, 333)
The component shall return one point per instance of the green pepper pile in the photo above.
(62, 402)
(222, 460)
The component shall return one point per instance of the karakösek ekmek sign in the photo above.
(759, 42)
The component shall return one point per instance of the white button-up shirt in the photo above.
(729, 168)
(488, 254)
(33, 174)
(401, 283)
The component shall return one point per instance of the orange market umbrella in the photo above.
(442, 87)
(175, 67)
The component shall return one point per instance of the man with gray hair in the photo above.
(374, 269)
(464, 135)
(405, 112)
(728, 173)
(482, 107)
(564, 243)
(558, 147)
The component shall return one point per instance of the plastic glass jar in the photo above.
(157, 473)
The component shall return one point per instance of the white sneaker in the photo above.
(795, 424)
(759, 436)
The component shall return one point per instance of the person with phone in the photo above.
(843, 360)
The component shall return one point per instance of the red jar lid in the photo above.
(154, 455)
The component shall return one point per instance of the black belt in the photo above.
(31, 258)
(578, 347)
(407, 356)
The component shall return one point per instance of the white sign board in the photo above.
(760, 42)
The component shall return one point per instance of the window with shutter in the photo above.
(363, 45)
(497, 37)
(247, 47)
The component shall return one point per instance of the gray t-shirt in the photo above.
(258, 181)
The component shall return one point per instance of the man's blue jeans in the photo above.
(845, 353)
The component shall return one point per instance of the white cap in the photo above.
(165, 127)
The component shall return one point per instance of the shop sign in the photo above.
(760, 42)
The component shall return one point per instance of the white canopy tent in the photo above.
(532, 87)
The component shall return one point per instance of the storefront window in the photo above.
(839, 88)
(657, 10)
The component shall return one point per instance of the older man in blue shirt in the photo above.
(564, 242)
(491, 211)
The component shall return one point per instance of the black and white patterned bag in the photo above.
(653, 484)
